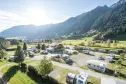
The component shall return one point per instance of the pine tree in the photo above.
(25, 46)
(2, 53)
(43, 47)
(19, 55)
(39, 46)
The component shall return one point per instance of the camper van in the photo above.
(77, 79)
(97, 65)
(81, 78)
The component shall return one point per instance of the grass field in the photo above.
(62, 77)
(16, 76)
(3, 62)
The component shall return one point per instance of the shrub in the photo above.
(32, 70)
(23, 67)
(45, 67)
(78, 48)
(82, 44)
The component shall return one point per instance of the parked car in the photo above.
(101, 58)
(45, 52)
(85, 51)
(68, 61)
(110, 58)
(11, 59)
(70, 78)
(114, 52)
(102, 50)
(31, 54)
(65, 56)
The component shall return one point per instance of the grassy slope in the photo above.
(19, 77)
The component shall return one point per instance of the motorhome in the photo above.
(97, 65)
(77, 79)
(81, 78)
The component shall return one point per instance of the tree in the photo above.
(19, 55)
(3, 43)
(45, 67)
(39, 46)
(25, 46)
(2, 53)
(43, 47)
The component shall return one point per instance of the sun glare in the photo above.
(37, 16)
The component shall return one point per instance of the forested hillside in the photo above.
(113, 22)
(108, 21)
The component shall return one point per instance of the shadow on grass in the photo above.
(36, 77)
(10, 73)
(42, 80)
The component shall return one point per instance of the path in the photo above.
(91, 73)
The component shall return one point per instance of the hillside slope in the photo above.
(78, 25)
(113, 22)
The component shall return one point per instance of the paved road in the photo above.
(91, 73)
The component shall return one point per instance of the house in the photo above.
(97, 65)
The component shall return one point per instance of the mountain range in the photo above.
(108, 21)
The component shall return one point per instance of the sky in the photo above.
(40, 12)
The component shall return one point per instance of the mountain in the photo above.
(74, 25)
(118, 3)
(21, 30)
(112, 22)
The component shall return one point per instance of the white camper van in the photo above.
(81, 78)
(77, 79)
(97, 65)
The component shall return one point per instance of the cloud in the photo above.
(9, 19)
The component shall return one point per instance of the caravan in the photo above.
(97, 65)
